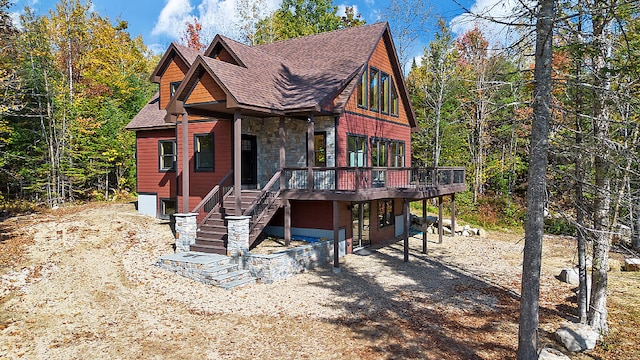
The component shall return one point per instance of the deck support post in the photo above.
(453, 215)
(360, 222)
(283, 154)
(311, 158)
(336, 238)
(237, 161)
(405, 213)
(287, 222)
(440, 228)
(185, 162)
(424, 226)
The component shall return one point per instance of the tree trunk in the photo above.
(534, 223)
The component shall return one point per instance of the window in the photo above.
(167, 154)
(397, 154)
(384, 95)
(374, 90)
(173, 87)
(356, 148)
(320, 148)
(203, 145)
(394, 101)
(385, 213)
(362, 90)
(168, 207)
(378, 152)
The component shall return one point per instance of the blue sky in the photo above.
(160, 21)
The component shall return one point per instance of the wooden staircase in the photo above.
(211, 236)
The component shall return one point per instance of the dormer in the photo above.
(221, 50)
(171, 69)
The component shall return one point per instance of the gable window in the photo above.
(397, 154)
(384, 92)
(173, 87)
(356, 148)
(362, 90)
(374, 89)
(385, 213)
(395, 105)
(378, 152)
(204, 153)
(167, 155)
(320, 149)
(168, 207)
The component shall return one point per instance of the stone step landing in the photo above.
(213, 269)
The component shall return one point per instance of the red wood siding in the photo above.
(225, 56)
(361, 125)
(175, 71)
(202, 182)
(315, 214)
(380, 60)
(150, 178)
(206, 90)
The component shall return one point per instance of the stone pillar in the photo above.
(186, 226)
(238, 235)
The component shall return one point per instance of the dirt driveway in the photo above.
(85, 288)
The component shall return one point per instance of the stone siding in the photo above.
(284, 264)
(186, 227)
(267, 132)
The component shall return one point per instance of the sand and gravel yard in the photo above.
(78, 283)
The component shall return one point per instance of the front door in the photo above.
(249, 160)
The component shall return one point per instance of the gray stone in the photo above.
(186, 227)
(570, 276)
(237, 235)
(466, 233)
(577, 337)
(552, 354)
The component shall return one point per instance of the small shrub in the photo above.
(559, 226)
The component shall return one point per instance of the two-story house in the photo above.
(308, 136)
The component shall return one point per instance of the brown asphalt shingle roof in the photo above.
(151, 116)
(286, 76)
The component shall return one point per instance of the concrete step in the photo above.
(238, 283)
(215, 271)
(230, 276)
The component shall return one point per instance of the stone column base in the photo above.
(237, 235)
(186, 227)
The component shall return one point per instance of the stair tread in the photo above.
(237, 283)
(230, 274)
(218, 268)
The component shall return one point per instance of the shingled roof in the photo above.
(310, 74)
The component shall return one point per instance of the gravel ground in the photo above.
(87, 289)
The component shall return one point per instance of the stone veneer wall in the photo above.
(267, 134)
(284, 264)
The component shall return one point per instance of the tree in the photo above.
(297, 18)
(192, 36)
(536, 192)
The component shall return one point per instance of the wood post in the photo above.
(311, 158)
(287, 222)
(424, 226)
(360, 222)
(237, 161)
(440, 231)
(283, 154)
(336, 237)
(453, 214)
(405, 217)
(185, 162)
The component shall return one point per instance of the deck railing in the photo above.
(214, 197)
(263, 202)
(362, 178)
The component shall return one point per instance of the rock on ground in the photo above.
(577, 337)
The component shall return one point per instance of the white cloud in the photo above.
(15, 19)
(342, 9)
(482, 11)
(172, 18)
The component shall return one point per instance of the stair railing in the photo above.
(259, 207)
(214, 199)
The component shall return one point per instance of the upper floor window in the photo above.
(397, 154)
(320, 148)
(356, 149)
(173, 86)
(384, 92)
(167, 155)
(395, 105)
(378, 152)
(204, 152)
(362, 90)
(374, 89)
